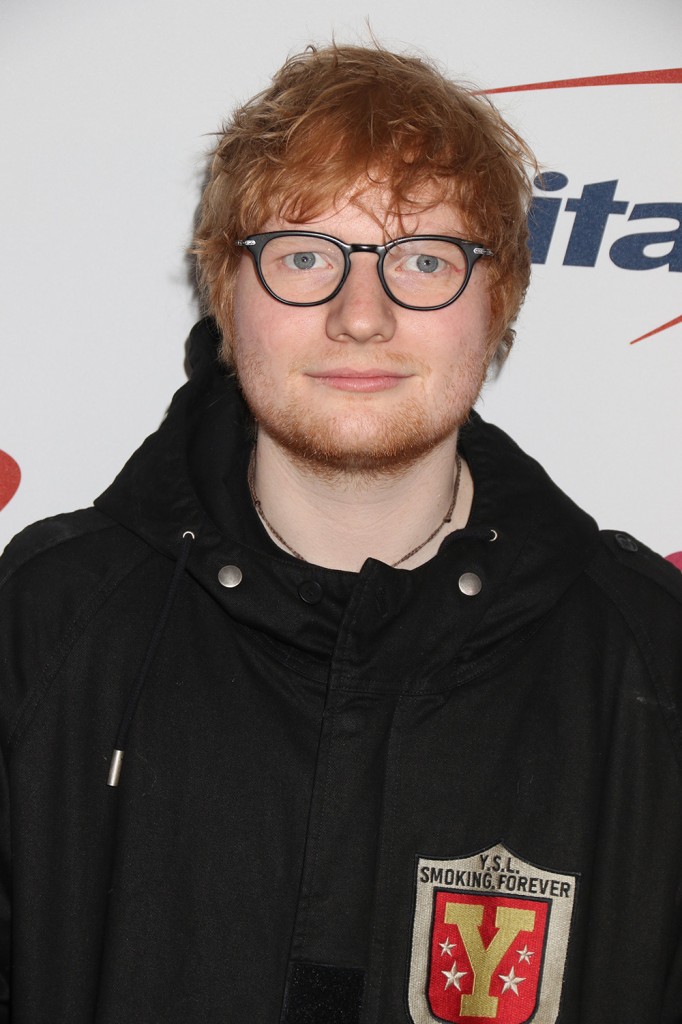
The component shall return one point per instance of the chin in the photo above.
(364, 446)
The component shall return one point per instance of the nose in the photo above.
(362, 311)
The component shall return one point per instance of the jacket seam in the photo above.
(74, 631)
(643, 643)
(385, 862)
(309, 878)
(461, 676)
(50, 545)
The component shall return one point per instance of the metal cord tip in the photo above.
(115, 768)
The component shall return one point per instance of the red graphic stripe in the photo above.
(628, 78)
(663, 327)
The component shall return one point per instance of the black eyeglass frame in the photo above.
(473, 251)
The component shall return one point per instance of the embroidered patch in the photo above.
(489, 940)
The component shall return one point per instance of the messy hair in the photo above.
(343, 118)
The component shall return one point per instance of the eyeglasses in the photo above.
(305, 268)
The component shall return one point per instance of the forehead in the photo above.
(373, 209)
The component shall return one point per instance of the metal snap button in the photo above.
(230, 576)
(470, 584)
(626, 542)
(310, 591)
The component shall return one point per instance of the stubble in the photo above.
(369, 437)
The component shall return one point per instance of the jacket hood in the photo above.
(526, 541)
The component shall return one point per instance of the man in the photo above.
(395, 729)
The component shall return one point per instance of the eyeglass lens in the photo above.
(419, 272)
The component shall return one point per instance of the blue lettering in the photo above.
(592, 211)
(543, 214)
(630, 252)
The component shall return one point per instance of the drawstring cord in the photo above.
(124, 728)
(116, 763)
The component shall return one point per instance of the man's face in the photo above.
(361, 384)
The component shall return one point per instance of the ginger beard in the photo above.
(358, 434)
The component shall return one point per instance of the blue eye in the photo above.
(424, 264)
(303, 260)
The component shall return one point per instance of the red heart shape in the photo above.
(10, 475)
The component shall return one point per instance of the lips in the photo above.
(348, 379)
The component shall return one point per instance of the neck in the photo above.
(339, 521)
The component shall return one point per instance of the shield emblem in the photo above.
(489, 940)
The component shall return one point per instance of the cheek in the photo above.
(464, 329)
(271, 330)
(255, 321)
(477, 296)
(247, 300)
(474, 329)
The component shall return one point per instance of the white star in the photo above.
(510, 982)
(446, 947)
(525, 954)
(454, 976)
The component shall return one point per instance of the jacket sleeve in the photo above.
(5, 889)
(6, 707)
(672, 1003)
(655, 623)
(29, 625)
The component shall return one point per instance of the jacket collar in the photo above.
(383, 625)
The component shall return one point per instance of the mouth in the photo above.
(346, 379)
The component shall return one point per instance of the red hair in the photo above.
(342, 114)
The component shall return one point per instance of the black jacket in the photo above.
(345, 798)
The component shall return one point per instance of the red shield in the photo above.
(489, 939)
(486, 957)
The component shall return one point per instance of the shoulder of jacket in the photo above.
(55, 577)
(643, 586)
(57, 569)
(636, 569)
(72, 536)
(39, 537)
(647, 593)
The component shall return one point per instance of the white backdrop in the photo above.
(107, 111)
